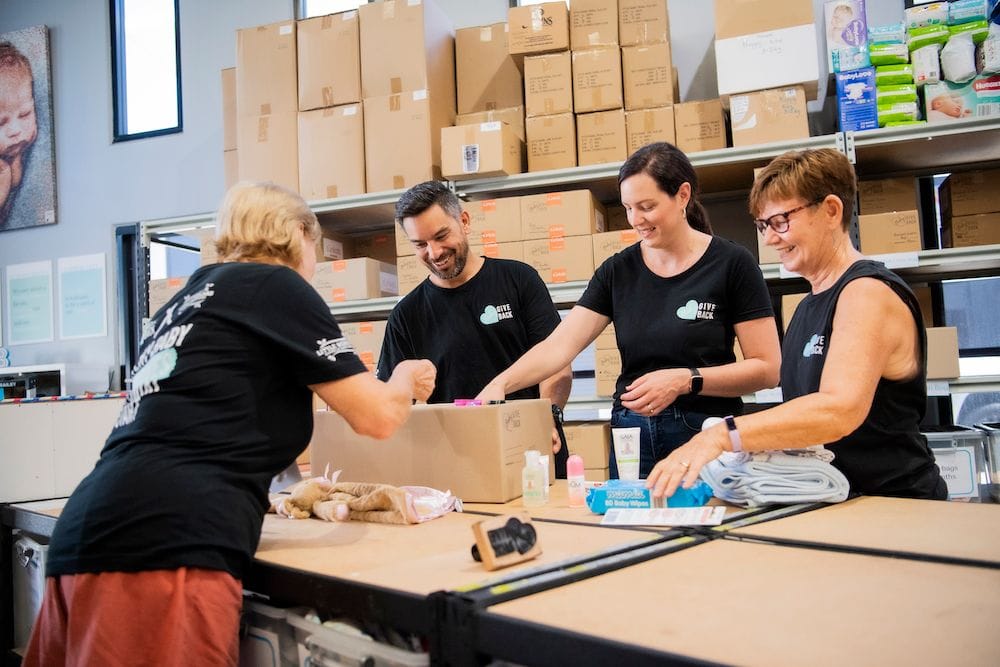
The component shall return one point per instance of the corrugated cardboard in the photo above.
(475, 452)
(541, 28)
(376, 245)
(403, 246)
(617, 217)
(561, 259)
(268, 148)
(595, 474)
(767, 116)
(647, 126)
(548, 84)
(477, 151)
(162, 290)
(206, 247)
(487, 75)
(606, 339)
(607, 368)
(494, 220)
(925, 300)
(601, 138)
(329, 61)
(555, 214)
(230, 168)
(762, 44)
(789, 302)
(411, 272)
(975, 192)
(512, 250)
(647, 76)
(366, 337)
(888, 194)
(358, 278)
(229, 109)
(593, 23)
(407, 46)
(942, 353)
(332, 152)
(265, 70)
(403, 139)
(642, 22)
(591, 441)
(513, 116)
(897, 231)
(597, 79)
(700, 126)
(551, 142)
(609, 243)
(971, 230)
(765, 254)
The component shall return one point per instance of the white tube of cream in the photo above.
(626, 442)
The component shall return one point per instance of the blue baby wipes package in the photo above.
(633, 494)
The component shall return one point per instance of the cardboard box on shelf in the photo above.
(162, 290)
(207, 254)
(487, 76)
(329, 61)
(332, 152)
(494, 220)
(925, 300)
(766, 116)
(477, 151)
(403, 139)
(789, 302)
(351, 279)
(407, 46)
(375, 245)
(942, 353)
(597, 79)
(617, 218)
(513, 116)
(762, 44)
(230, 168)
(555, 214)
(510, 250)
(268, 148)
(609, 243)
(403, 246)
(765, 253)
(975, 191)
(601, 137)
(561, 259)
(548, 84)
(593, 23)
(700, 126)
(541, 28)
(897, 231)
(591, 441)
(607, 368)
(971, 230)
(551, 142)
(411, 272)
(229, 109)
(642, 22)
(606, 339)
(266, 70)
(366, 337)
(888, 194)
(476, 452)
(647, 75)
(647, 126)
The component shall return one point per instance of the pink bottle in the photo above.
(574, 479)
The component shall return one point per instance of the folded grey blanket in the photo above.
(763, 478)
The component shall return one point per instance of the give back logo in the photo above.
(814, 346)
(493, 314)
(692, 310)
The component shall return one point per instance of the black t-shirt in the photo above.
(471, 332)
(685, 321)
(219, 404)
(887, 454)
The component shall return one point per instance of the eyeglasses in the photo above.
(779, 221)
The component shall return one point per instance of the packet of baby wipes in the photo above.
(897, 113)
(917, 38)
(894, 33)
(633, 494)
(978, 29)
(988, 53)
(967, 11)
(889, 53)
(926, 64)
(893, 75)
(934, 13)
(958, 59)
(885, 95)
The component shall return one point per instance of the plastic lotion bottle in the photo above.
(532, 480)
(574, 478)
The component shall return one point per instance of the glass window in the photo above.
(146, 68)
(310, 8)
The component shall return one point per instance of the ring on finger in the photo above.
(685, 464)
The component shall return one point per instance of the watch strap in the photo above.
(697, 381)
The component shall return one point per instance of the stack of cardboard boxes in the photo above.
(591, 441)
(975, 209)
(607, 362)
(649, 78)
(598, 96)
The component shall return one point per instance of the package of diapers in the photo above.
(934, 13)
(958, 59)
(926, 64)
(948, 102)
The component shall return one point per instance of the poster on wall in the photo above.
(29, 303)
(27, 144)
(83, 303)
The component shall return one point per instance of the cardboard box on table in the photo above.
(329, 49)
(478, 151)
(540, 28)
(513, 116)
(561, 259)
(591, 441)
(766, 116)
(331, 152)
(548, 84)
(642, 22)
(647, 76)
(593, 23)
(554, 214)
(551, 142)
(487, 76)
(475, 452)
(597, 79)
(601, 137)
(647, 126)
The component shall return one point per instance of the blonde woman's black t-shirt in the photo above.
(218, 405)
(684, 321)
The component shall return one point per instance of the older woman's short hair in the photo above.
(263, 222)
(810, 175)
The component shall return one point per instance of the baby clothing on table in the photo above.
(776, 477)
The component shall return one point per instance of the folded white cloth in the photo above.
(762, 478)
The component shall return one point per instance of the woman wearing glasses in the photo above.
(853, 370)
(678, 299)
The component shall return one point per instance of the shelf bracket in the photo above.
(845, 144)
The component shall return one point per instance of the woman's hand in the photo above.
(649, 394)
(684, 464)
(491, 392)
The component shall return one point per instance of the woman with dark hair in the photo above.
(678, 299)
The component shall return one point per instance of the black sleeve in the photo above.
(746, 288)
(541, 316)
(597, 296)
(396, 346)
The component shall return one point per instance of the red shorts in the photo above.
(182, 617)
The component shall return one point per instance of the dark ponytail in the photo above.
(669, 167)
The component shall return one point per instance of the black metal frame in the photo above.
(118, 68)
(133, 276)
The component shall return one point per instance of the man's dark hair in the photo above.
(422, 196)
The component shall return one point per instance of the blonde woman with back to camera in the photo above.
(145, 562)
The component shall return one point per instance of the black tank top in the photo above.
(887, 455)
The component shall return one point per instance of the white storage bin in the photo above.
(266, 639)
(29, 585)
(961, 455)
(329, 647)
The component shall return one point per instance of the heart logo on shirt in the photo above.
(689, 311)
(490, 315)
(814, 346)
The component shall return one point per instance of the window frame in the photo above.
(118, 66)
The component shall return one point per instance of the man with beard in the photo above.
(473, 316)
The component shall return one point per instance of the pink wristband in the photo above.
(734, 435)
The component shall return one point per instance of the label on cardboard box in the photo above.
(783, 57)
(896, 231)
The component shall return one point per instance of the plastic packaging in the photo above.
(532, 480)
(894, 33)
(917, 38)
(888, 54)
(886, 95)
(543, 461)
(967, 11)
(978, 29)
(926, 65)
(626, 444)
(633, 494)
(893, 75)
(575, 481)
(898, 112)
(958, 59)
(935, 13)
(988, 53)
